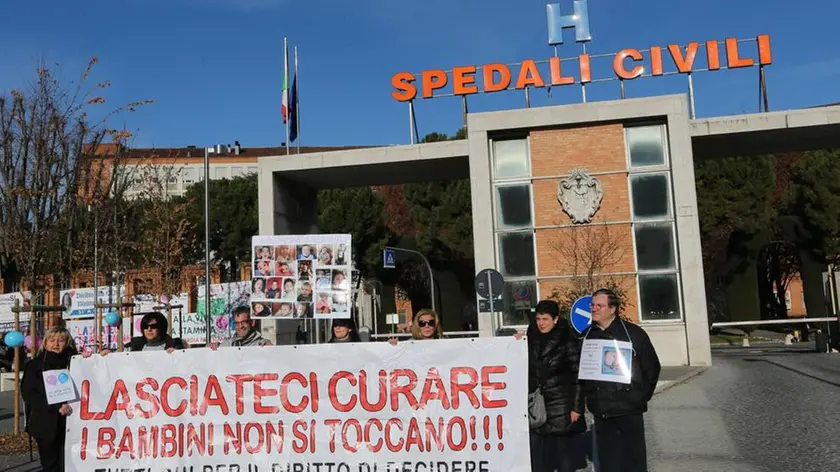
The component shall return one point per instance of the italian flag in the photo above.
(285, 107)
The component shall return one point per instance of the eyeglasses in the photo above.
(597, 307)
(151, 326)
(426, 323)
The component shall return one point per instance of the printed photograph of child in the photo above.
(306, 252)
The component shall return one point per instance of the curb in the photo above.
(680, 380)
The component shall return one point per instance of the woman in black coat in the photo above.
(553, 358)
(47, 423)
(154, 336)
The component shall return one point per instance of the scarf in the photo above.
(539, 338)
(247, 340)
(59, 360)
(160, 341)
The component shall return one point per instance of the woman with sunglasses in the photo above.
(426, 326)
(344, 331)
(155, 337)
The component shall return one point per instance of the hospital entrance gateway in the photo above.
(548, 184)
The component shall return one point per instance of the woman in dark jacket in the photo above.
(154, 336)
(553, 357)
(47, 423)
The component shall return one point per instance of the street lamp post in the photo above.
(207, 243)
(96, 327)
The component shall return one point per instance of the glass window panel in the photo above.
(659, 297)
(220, 173)
(655, 246)
(236, 172)
(513, 206)
(516, 253)
(646, 144)
(519, 298)
(510, 159)
(651, 198)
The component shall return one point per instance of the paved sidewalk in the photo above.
(750, 412)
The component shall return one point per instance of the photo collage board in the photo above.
(301, 276)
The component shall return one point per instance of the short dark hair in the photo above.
(241, 310)
(162, 324)
(548, 307)
(613, 301)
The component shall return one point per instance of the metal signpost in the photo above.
(581, 314)
(489, 284)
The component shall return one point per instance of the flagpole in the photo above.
(286, 88)
(297, 103)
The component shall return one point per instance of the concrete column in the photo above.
(688, 232)
(481, 190)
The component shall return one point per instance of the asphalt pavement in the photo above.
(765, 408)
(769, 408)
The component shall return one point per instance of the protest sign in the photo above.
(59, 386)
(7, 303)
(83, 332)
(301, 276)
(606, 360)
(81, 302)
(426, 406)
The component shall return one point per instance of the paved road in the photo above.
(760, 409)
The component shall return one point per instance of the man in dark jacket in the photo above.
(553, 358)
(618, 407)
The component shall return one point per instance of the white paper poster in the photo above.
(80, 301)
(224, 298)
(147, 302)
(301, 276)
(59, 386)
(606, 360)
(448, 405)
(83, 333)
(7, 302)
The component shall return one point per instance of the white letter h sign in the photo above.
(557, 22)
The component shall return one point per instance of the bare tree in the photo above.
(48, 148)
(164, 233)
(590, 252)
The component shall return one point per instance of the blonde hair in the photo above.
(57, 331)
(415, 328)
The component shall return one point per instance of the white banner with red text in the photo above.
(455, 405)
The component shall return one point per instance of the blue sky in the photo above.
(214, 67)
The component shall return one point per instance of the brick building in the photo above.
(626, 168)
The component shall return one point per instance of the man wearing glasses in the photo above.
(618, 407)
(246, 333)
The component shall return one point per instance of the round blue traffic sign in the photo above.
(581, 313)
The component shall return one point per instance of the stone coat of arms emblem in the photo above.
(580, 194)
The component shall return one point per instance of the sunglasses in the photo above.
(426, 323)
(151, 326)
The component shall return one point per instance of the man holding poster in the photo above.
(619, 369)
